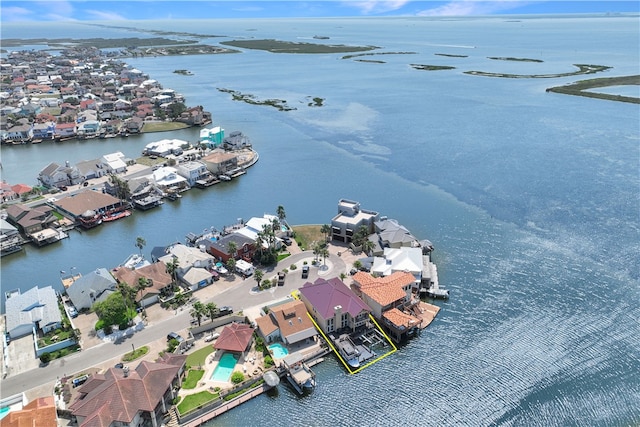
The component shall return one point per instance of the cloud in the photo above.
(472, 7)
(368, 7)
(105, 15)
(15, 13)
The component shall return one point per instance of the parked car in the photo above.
(305, 271)
(286, 240)
(174, 336)
(211, 337)
(281, 277)
(223, 311)
(73, 312)
(119, 365)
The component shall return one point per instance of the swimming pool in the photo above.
(4, 411)
(279, 351)
(225, 367)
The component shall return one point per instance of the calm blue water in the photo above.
(530, 198)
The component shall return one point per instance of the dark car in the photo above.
(119, 365)
(287, 241)
(174, 336)
(223, 311)
(305, 271)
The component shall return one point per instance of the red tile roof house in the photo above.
(288, 322)
(388, 298)
(120, 397)
(40, 412)
(159, 281)
(236, 338)
(333, 305)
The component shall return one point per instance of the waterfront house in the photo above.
(235, 338)
(77, 205)
(158, 280)
(167, 177)
(288, 322)
(124, 397)
(36, 309)
(65, 130)
(44, 130)
(390, 234)
(236, 141)
(114, 162)
(30, 220)
(349, 219)
(220, 161)
(256, 225)
(192, 171)
(189, 259)
(90, 288)
(219, 246)
(88, 129)
(133, 125)
(164, 147)
(333, 305)
(90, 169)
(211, 138)
(40, 412)
(20, 133)
(391, 301)
(399, 259)
(54, 175)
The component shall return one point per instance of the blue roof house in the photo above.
(93, 287)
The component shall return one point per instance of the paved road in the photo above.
(240, 296)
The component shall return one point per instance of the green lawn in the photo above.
(197, 358)
(192, 379)
(193, 401)
(137, 353)
(163, 126)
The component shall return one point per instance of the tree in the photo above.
(172, 269)
(232, 249)
(368, 246)
(198, 311)
(258, 275)
(231, 264)
(211, 309)
(45, 358)
(140, 243)
(113, 310)
(128, 296)
(326, 230)
(121, 187)
(142, 284)
(357, 264)
(361, 235)
(281, 213)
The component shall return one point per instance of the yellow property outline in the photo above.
(340, 356)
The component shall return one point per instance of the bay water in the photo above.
(530, 198)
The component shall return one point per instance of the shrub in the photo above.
(237, 377)
(45, 358)
(268, 361)
(293, 267)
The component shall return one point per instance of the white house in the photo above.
(399, 259)
(168, 177)
(114, 162)
(37, 308)
(192, 171)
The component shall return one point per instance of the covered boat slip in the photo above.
(299, 374)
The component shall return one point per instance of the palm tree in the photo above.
(232, 249)
(198, 311)
(142, 284)
(281, 213)
(368, 246)
(211, 309)
(326, 230)
(172, 268)
(140, 243)
(258, 275)
(231, 264)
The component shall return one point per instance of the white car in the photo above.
(211, 337)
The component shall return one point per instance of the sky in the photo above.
(125, 10)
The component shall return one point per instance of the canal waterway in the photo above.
(530, 198)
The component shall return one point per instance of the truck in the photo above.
(245, 268)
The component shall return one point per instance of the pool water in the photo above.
(225, 367)
(279, 351)
(4, 411)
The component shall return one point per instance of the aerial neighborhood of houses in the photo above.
(358, 293)
(83, 94)
(359, 311)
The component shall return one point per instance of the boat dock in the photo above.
(300, 376)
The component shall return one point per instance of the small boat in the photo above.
(348, 351)
(115, 215)
(436, 292)
(224, 177)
